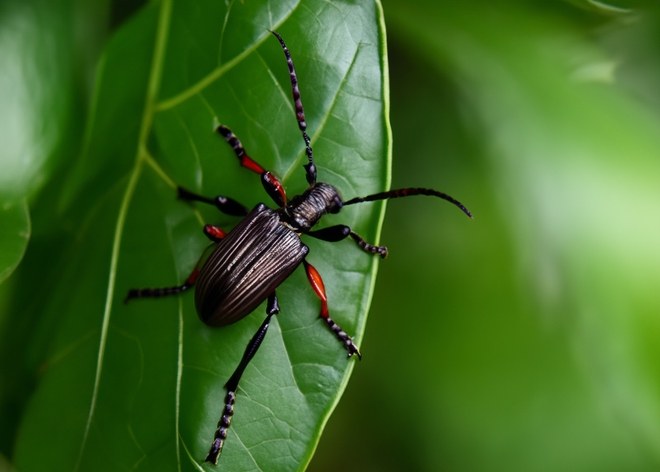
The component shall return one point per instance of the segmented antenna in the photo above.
(409, 192)
(300, 114)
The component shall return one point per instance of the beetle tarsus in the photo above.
(155, 292)
(232, 386)
(339, 232)
(221, 431)
(162, 292)
(370, 248)
(344, 338)
(319, 288)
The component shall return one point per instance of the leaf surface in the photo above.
(140, 386)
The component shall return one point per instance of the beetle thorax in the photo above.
(305, 210)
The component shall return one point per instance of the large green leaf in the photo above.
(141, 385)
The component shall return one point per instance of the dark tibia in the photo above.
(227, 205)
(409, 192)
(319, 288)
(232, 386)
(331, 234)
(310, 168)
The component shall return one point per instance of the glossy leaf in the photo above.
(141, 385)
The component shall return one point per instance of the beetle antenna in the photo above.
(409, 192)
(300, 114)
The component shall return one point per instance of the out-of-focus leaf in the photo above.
(47, 50)
(141, 385)
(41, 64)
(532, 336)
(30, 89)
(14, 234)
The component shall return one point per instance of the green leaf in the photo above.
(14, 235)
(38, 68)
(34, 84)
(141, 385)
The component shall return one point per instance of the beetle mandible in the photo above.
(264, 248)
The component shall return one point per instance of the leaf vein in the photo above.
(152, 93)
(324, 119)
(216, 73)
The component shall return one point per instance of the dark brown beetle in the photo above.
(255, 257)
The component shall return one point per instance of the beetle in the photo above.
(264, 248)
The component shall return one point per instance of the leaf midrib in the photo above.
(141, 155)
(217, 72)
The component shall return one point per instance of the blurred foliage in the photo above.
(48, 53)
(527, 339)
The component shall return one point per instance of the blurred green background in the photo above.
(526, 339)
(529, 338)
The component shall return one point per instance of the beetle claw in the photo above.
(352, 349)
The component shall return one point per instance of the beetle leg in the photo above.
(408, 192)
(272, 306)
(190, 281)
(214, 233)
(232, 384)
(337, 233)
(245, 160)
(227, 205)
(310, 168)
(380, 250)
(318, 286)
(331, 234)
(272, 186)
(161, 292)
